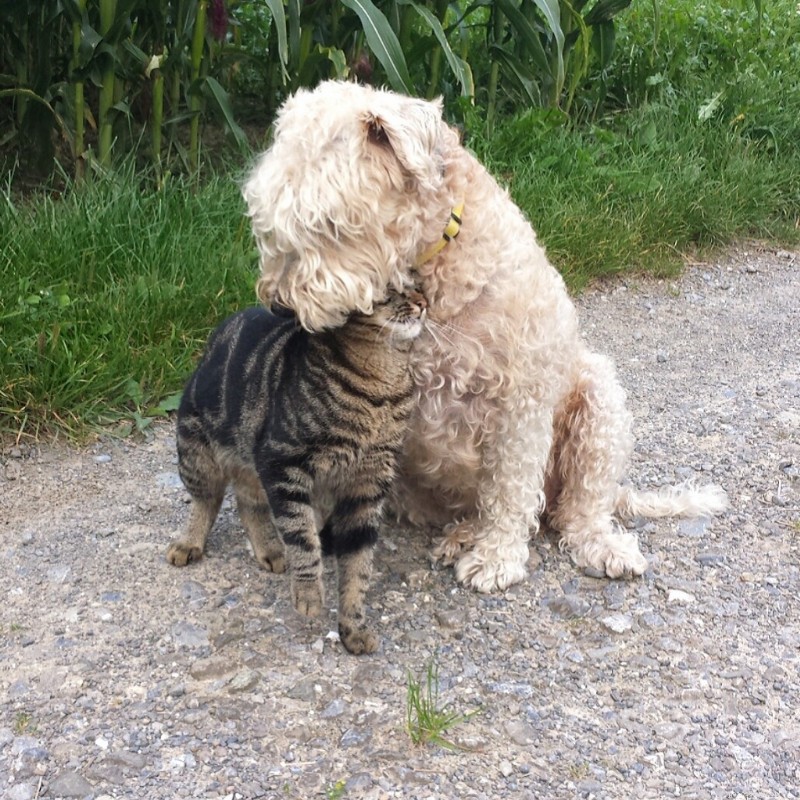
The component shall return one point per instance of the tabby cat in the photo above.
(308, 429)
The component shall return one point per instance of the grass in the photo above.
(645, 188)
(426, 722)
(24, 724)
(107, 293)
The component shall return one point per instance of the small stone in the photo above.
(335, 708)
(21, 791)
(506, 769)
(244, 681)
(679, 596)
(451, 618)
(187, 634)
(355, 738)
(710, 559)
(101, 742)
(206, 669)
(618, 623)
(570, 606)
(193, 591)
(58, 573)
(521, 733)
(103, 458)
(304, 689)
(661, 357)
(26, 538)
(594, 572)
(318, 646)
(70, 784)
(358, 783)
(693, 528)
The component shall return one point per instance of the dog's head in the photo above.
(343, 198)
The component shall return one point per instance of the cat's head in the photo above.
(401, 316)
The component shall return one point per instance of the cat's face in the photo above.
(401, 316)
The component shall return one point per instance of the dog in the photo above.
(517, 421)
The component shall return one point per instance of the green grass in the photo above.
(108, 294)
(426, 722)
(639, 191)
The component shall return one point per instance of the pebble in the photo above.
(506, 768)
(244, 681)
(70, 784)
(693, 528)
(678, 596)
(21, 791)
(710, 559)
(358, 783)
(521, 733)
(334, 709)
(103, 458)
(618, 623)
(188, 634)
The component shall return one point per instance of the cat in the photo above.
(308, 428)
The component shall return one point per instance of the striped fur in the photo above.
(307, 428)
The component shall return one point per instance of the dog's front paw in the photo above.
(307, 597)
(616, 554)
(180, 553)
(486, 572)
(457, 538)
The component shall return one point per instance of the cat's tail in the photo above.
(684, 500)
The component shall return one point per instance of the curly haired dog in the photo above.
(516, 418)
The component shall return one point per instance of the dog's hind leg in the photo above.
(592, 444)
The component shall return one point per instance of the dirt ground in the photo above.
(124, 677)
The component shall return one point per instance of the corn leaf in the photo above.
(460, 68)
(527, 35)
(383, 42)
(279, 21)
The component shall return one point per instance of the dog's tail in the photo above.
(684, 500)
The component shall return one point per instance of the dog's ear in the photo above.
(409, 134)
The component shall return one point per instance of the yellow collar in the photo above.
(451, 230)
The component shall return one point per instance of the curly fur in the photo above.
(515, 417)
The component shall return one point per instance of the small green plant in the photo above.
(23, 723)
(335, 791)
(426, 721)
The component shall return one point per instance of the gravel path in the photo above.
(121, 676)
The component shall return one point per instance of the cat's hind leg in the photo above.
(205, 481)
(253, 505)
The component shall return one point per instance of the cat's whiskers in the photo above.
(450, 335)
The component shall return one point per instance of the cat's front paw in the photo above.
(180, 553)
(271, 558)
(307, 597)
(359, 641)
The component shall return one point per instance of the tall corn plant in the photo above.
(544, 49)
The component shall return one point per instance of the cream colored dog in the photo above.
(516, 418)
